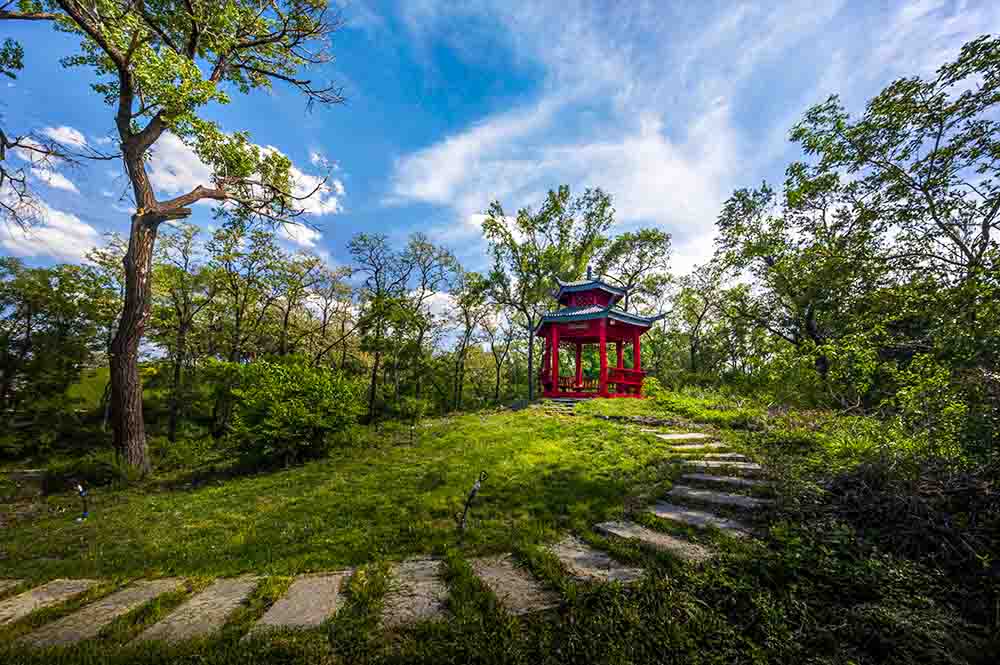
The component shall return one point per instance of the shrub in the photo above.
(97, 469)
(651, 387)
(285, 412)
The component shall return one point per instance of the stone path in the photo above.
(515, 589)
(735, 481)
(657, 540)
(697, 518)
(204, 614)
(89, 621)
(417, 593)
(695, 447)
(417, 590)
(746, 467)
(52, 593)
(717, 498)
(584, 562)
(735, 457)
(309, 601)
(687, 436)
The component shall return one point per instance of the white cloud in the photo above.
(469, 169)
(669, 107)
(54, 179)
(59, 235)
(323, 195)
(301, 235)
(65, 135)
(174, 168)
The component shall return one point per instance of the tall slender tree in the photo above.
(159, 65)
(535, 248)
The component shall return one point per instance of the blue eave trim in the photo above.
(609, 313)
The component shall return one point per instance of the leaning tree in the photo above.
(159, 64)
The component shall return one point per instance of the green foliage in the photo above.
(413, 409)
(11, 58)
(651, 387)
(287, 412)
(535, 248)
(929, 404)
(95, 469)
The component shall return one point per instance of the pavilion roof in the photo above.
(588, 312)
(587, 285)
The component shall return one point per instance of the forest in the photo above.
(867, 282)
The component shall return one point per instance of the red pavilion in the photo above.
(588, 316)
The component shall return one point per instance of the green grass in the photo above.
(89, 389)
(379, 498)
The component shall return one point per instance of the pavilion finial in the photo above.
(588, 273)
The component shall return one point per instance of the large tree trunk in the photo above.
(126, 388)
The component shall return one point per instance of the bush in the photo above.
(97, 469)
(285, 412)
(651, 387)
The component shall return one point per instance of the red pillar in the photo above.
(602, 342)
(636, 350)
(555, 358)
(619, 348)
(579, 364)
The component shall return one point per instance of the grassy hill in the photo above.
(815, 587)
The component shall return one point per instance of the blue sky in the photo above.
(669, 106)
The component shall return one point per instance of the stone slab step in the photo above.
(697, 518)
(517, 591)
(735, 457)
(7, 585)
(584, 562)
(309, 601)
(417, 593)
(51, 593)
(695, 447)
(203, 614)
(683, 436)
(725, 480)
(747, 468)
(654, 539)
(718, 498)
(88, 622)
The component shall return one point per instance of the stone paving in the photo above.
(697, 518)
(657, 540)
(695, 447)
(89, 621)
(516, 590)
(685, 436)
(735, 481)
(584, 562)
(52, 593)
(204, 614)
(717, 498)
(704, 464)
(417, 590)
(417, 593)
(309, 601)
(735, 457)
